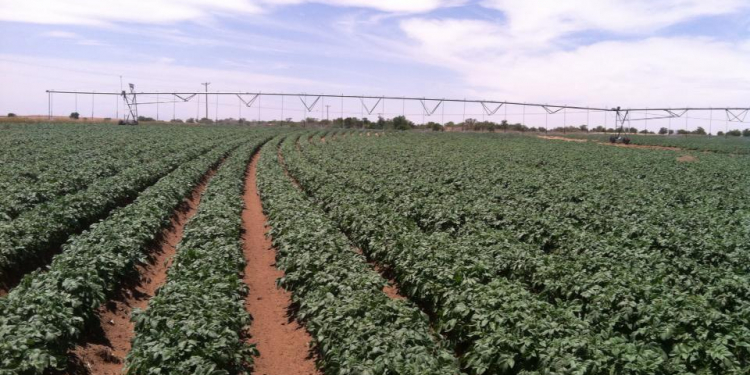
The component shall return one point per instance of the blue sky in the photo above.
(584, 52)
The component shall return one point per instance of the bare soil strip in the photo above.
(687, 159)
(642, 146)
(283, 344)
(561, 138)
(391, 288)
(103, 353)
(611, 144)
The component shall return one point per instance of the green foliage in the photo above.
(41, 229)
(356, 327)
(44, 316)
(193, 325)
(11, 114)
(552, 257)
(74, 115)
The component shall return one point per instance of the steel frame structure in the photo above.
(490, 107)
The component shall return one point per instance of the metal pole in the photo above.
(205, 84)
(49, 106)
(239, 108)
(524, 115)
(157, 106)
(198, 109)
(174, 109)
(726, 125)
(710, 121)
(92, 106)
(282, 110)
(259, 96)
(442, 114)
(669, 129)
(216, 115)
(565, 119)
(645, 123)
(507, 124)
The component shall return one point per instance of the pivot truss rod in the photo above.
(490, 107)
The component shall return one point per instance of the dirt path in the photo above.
(283, 344)
(561, 138)
(104, 352)
(642, 146)
(390, 289)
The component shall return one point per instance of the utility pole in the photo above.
(205, 84)
(328, 107)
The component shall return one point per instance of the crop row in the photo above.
(356, 327)
(38, 231)
(719, 144)
(47, 313)
(679, 324)
(593, 245)
(42, 169)
(538, 207)
(194, 324)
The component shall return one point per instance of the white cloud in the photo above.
(399, 6)
(61, 34)
(667, 71)
(106, 12)
(22, 87)
(542, 21)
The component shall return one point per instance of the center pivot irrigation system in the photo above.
(429, 105)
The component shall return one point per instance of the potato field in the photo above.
(140, 250)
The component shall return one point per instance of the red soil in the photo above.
(283, 344)
(687, 159)
(104, 354)
(642, 146)
(561, 138)
(390, 289)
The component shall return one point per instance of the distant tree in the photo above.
(746, 133)
(734, 133)
(644, 131)
(434, 126)
(663, 131)
(671, 131)
(381, 123)
(583, 128)
(402, 123)
(682, 131)
(145, 119)
(190, 121)
(11, 114)
(74, 115)
(177, 121)
(700, 131)
(720, 133)
(206, 120)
